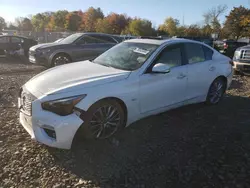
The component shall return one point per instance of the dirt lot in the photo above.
(195, 146)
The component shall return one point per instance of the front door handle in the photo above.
(181, 76)
(211, 68)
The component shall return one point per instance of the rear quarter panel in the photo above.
(223, 67)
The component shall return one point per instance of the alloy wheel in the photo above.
(216, 91)
(61, 60)
(105, 121)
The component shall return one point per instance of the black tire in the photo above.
(211, 99)
(60, 59)
(86, 129)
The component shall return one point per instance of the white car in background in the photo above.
(132, 80)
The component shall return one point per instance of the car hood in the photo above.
(247, 47)
(46, 45)
(73, 76)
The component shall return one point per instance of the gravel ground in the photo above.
(194, 146)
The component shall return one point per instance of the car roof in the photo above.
(93, 33)
(14, 36)
(160, 42)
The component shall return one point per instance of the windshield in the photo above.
(126, 55)
(71, 38)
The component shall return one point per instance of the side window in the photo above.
(105, 39)
(171, 56)
(195, 53)
(86, 39)
(208, 53)
(16, 40)
(4, 40)
(118, 39)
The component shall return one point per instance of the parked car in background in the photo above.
(241, 60)
(12, 43)
(76, 47)
(134, 79)
(228, 47)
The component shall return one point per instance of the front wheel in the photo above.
(102, 120)
(216, 91)
(60, 59)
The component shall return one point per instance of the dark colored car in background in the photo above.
(76, 47)
(13, 42)
(228, 47)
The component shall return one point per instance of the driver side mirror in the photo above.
(161, 68)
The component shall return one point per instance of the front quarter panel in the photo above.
(125, 90)
(68, 50)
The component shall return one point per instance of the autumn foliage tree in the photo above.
(90, 18)
(103, 26)
(245, 23)
(170, 26)
(73, 21)
(40, 21)
(139, 27)
(57, 21)
(193, 31)
(118, 22)
(93, 20)
(234, 22)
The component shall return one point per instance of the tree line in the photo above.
(237, 23)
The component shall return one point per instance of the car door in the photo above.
(161, 90)
(87, 47)
(83, 48)
(16, 42)
(4, 44)
(201, 69)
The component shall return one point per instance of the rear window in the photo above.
(195, 53)
(208, 53)
(119, 39)
(104, 39)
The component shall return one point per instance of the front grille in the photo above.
(32, 53)
(26, 102)
(245, 55)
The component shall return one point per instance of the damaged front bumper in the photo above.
(49, 128)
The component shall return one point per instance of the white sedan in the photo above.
(132, 80)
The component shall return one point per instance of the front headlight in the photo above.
(62, 107)
(237, 54)
(43, 51)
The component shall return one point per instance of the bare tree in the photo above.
(211, 17)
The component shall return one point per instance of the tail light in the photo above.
(225, 45)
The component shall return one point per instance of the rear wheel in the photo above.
(102, 120)
(60, 59)
(216, 91)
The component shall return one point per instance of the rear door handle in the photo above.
(212, 68)
(181, 76)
